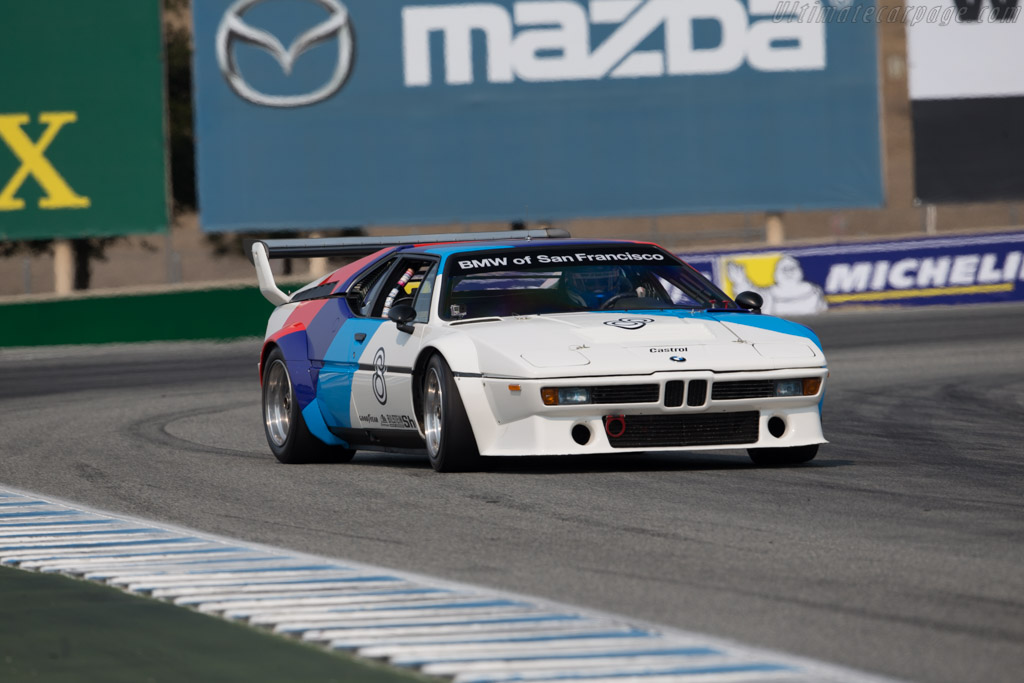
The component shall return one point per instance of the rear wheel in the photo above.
(449, 436)
(287, 434)
(773, 457)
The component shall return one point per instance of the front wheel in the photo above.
(446, 429)
(773, 457)
(287, 434)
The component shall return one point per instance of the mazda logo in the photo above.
(234, 29)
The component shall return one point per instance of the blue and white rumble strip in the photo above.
(466, 633)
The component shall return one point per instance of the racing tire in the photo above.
(446, 429)
(774, 457)
(287, 434)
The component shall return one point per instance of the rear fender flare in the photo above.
(294, 344)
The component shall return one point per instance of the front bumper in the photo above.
(507, 422)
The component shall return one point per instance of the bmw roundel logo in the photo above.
(677, 359)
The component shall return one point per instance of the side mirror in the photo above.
(403, 315)
(751, 301)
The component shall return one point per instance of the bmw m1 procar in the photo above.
(527, 343)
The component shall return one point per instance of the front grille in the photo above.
(734, 391)
(698, 393)
(688, 430)
(674, 393)
(625, 393)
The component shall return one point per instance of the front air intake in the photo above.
(698, 393)
(674, 392)
(737, 391)
(624, 393)
(652, 431)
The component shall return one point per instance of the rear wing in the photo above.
(261, 251)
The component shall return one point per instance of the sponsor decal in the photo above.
(545, 259)
(390, 421)
(233, 29)
(33, 162)
(380, 387)
(810, 280)
(668, 349)
(629, 323)
(547, 41)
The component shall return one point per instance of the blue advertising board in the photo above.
(912, 272)
(329, 113)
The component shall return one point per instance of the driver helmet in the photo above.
(592, 286)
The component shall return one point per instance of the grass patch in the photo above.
(54, 629)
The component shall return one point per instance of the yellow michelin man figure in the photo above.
(789, 294)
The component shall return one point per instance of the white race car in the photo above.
(527, 343)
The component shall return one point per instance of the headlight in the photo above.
(567, 396)
(789, 387)
(798, 387)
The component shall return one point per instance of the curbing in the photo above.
(438, 628)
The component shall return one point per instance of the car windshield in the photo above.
(572, 279)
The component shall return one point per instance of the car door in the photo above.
(380, 358)
(339, 361)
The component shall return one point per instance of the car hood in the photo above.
(639, 343)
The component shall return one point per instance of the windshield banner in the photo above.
(914, 272)
(519, 259)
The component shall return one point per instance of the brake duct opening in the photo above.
(581, 434)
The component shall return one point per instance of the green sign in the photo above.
(82, 149)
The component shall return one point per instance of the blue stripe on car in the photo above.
(341, 361)
(317, 427)
(767, 322)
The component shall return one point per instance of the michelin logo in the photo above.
(550, 40)
(940, 272)
(779, 279)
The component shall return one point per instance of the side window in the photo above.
(424, 293)
(400, 286)
(361, 294)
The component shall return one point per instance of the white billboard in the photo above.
(965, 49)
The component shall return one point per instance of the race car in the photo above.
(517, 343)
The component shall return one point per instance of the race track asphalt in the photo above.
(899, 551)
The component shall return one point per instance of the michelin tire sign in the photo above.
(811, 280)
(325, 113)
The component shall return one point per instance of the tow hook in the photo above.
(614, 425)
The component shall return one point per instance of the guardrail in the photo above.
(209, 313)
